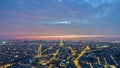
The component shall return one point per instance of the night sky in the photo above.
(48, 19)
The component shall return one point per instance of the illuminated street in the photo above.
(59, 33)
(59, 54)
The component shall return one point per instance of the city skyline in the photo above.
(52, 19)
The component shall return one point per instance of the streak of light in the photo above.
(114, 60)
(98, 60)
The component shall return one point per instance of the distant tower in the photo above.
(88, 48)
(61, 43)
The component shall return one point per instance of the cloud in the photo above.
(29, 17)
(96, 3)
(63, 22)
(102, 13)
(60, 1)
(55, 23)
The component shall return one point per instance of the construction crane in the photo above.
(76, 61)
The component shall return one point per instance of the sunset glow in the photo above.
(41, 19)
(66, 37)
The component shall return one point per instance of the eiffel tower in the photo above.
(61, 43)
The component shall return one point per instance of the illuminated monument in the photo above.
(61, 43)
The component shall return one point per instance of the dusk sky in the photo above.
(39, 19)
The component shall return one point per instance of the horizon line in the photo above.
(67, 36)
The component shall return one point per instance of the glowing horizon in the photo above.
(65, 36)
